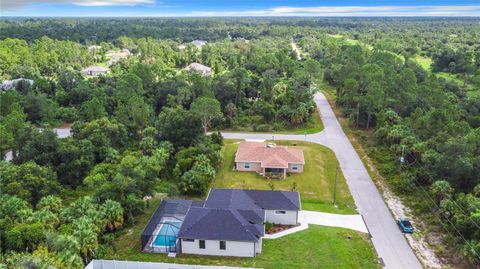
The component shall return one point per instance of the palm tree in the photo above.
(51, 203)
(442, 190)
(85, 234)
(113, 214)
(14, 208)
(46, 217)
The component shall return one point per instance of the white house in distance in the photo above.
(200, 69)
(199, 43)
(12, 84)
(94, 48)
(95, 71)
(115, 56)
(231, 222)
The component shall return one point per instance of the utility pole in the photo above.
(335, 189)
(402, 158)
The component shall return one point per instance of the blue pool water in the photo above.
(167, 236)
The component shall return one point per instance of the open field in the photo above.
(315, 184)
(317, 247)
(426, 63)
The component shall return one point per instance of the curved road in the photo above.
(387, 239)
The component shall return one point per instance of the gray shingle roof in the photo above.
(227, 214)
(253, 199)
(222, 224)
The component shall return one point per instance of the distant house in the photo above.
(268, 159)
(199, 43)
(95, 71)
(116, 56)
(231, 222)
(12, 84)
(200, 69)
(94, 48)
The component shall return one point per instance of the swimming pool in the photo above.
(167, 235)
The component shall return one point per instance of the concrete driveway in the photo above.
(354, 222)
(389, 242)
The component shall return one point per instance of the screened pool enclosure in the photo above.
(160, 234)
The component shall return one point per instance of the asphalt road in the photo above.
(61, 133)
(389, 242)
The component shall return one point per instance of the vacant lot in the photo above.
(315, 184)
(313, 125)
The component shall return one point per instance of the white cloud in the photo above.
(354, 11)
(18, 4)
(12, 7)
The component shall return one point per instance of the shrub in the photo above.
(268, 225)
(217, 138)
(278, 126)
(263, 127)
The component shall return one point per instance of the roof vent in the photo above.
(271, 145)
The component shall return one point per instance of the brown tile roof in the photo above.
(277, 156)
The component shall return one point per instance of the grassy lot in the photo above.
(351, 41)
(426, 63)
(315, 184)
(317, 247)
(314, 125)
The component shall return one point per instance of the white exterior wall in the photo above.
(290, 218)
(212, 247)
(258, 246)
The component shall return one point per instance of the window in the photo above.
(280, 212)
(188, 240)
(246, 165)
(201, 244)
(294, 167)
(223, 245)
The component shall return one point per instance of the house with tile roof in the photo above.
(230, 222)
(268, 159)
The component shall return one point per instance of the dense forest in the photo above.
(141, 129)
(137, 131)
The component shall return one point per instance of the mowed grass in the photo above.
(317, 247)
(315, 184)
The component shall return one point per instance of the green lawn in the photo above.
(314, 125)
(351, 41)
(317, 247)
(426, 63)
(315, 184)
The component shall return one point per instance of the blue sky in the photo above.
(205, 8)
